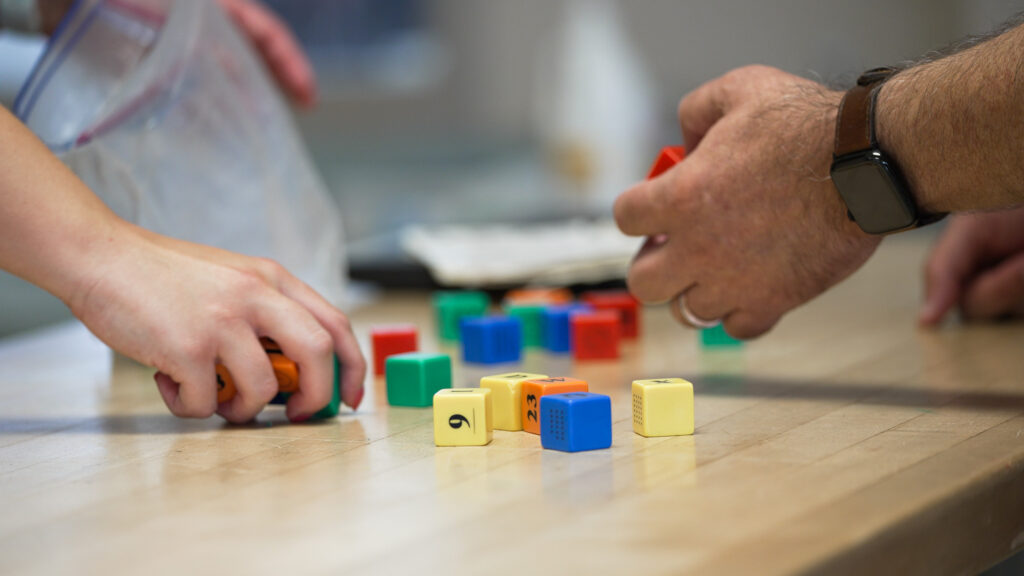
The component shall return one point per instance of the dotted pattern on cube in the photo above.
(662, 407)
(638, 410)
(534, 391)
(576, 421)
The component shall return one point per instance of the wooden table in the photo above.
(846, 441)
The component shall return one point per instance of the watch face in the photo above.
(874, 193)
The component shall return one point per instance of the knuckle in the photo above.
(320, 342)
(270, 269)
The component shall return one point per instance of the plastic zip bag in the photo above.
(164, 111)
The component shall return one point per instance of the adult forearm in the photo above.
(956, 126)
(53, 229)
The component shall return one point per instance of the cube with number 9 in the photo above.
(533, 390)
(463, 417)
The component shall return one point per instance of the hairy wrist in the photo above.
(954, 126)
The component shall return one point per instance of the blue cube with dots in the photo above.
(575, 421)
(555, 326)
(492, 340)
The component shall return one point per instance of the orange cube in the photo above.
(532, 390)
(285, 370)
(539, 296)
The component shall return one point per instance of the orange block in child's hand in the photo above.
(669, 157)
(532, 390)
(285, 370)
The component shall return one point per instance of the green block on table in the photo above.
(717, 337)
(452, 307)
(414, 378)
(532, 318)
(333, 407)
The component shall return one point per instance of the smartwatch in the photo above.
(876, 195)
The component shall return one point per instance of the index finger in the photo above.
(700, 110)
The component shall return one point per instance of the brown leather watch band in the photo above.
(855, 128)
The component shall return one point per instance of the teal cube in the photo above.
(414, 378)
(717, 337)
(532, 318)
(452, 306)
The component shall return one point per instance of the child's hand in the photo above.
(183, 307)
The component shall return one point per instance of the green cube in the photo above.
(452, 307)
(532, 318)
(717, 337)
(415, 377)
(332, 408)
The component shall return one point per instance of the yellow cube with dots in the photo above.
(662, 407)
(507, 399)
(463, 417)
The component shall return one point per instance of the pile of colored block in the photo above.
(539, 318)
(561, 410)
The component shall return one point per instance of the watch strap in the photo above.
(855, 128)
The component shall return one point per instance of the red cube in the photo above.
(622, 302)
(595, 335)
(669, 157)
(391, 340)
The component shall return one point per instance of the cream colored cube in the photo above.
(463, 417)
(506, 397)
(663, 407)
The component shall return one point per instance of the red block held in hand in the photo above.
(595, 335)
(669, 157)
(391, 340)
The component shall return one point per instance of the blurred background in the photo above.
(451, 111)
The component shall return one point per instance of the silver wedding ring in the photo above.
(686, 317)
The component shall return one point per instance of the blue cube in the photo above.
(576, 421)
(555, 326)
(492, 340)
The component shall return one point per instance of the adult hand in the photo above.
(977, 265)
(183, 307)
(749, 226)
(268, 34)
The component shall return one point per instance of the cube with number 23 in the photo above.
(533, 390)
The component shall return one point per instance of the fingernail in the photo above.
(359, 399)
(301, 418)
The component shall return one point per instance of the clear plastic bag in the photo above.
(163, 109)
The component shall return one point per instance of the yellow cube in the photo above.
(463, 417)
(663, 407)
(506, 397)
